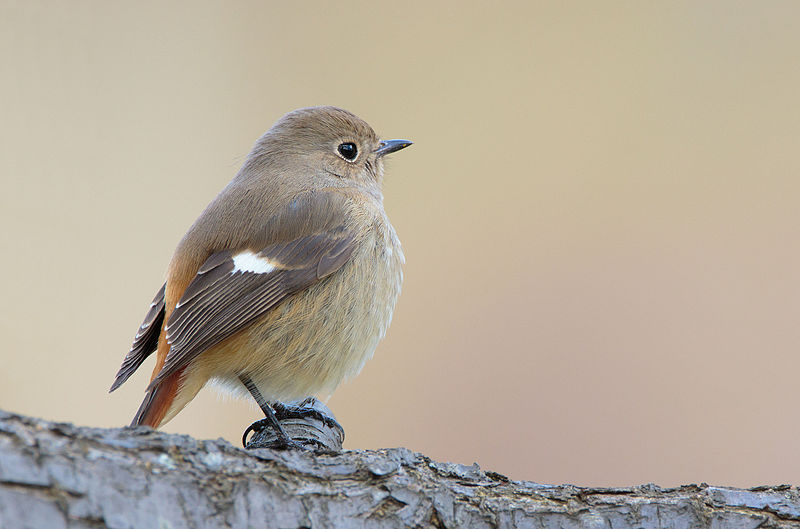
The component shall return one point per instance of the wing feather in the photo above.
(211, 276)
(145, 341)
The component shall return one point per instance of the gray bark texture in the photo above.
(55, 475)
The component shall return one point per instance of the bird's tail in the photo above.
(157, 402)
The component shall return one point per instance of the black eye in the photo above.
(348, 151)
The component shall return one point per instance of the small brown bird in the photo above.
(287, 281)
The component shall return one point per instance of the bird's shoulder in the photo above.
(247, 220)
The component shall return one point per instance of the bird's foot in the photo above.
(282, 441)
(305, 410)
(298, 425)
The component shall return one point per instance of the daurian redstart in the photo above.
(287, 281)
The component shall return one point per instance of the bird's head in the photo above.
(334, 146)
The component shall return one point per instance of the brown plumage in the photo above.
(288, 278)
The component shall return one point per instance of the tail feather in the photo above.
(157, 402)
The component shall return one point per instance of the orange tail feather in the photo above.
(157, 402)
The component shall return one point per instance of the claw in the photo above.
(258, 425)
(304, 410)
(282, 442)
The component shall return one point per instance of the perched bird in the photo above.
(287, 281)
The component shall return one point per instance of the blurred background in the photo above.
(599, 214)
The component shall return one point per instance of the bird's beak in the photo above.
(389, 146)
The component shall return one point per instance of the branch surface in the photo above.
(57, 475)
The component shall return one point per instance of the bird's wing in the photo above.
(145, 342)
(234, 287)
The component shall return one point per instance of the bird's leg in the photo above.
(303, 410)
(283, 441)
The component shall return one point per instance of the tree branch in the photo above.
(55, 475)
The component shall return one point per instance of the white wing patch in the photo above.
(248, 261)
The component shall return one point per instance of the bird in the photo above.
(284, 285)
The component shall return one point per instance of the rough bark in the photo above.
(56, 475)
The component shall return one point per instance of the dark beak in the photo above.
(390, 146)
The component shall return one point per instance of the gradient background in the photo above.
(600, 217)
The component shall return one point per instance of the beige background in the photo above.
(600, 216)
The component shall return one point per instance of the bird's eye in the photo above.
(348, 150)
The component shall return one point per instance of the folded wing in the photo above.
(233, 288)
(145, 341)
